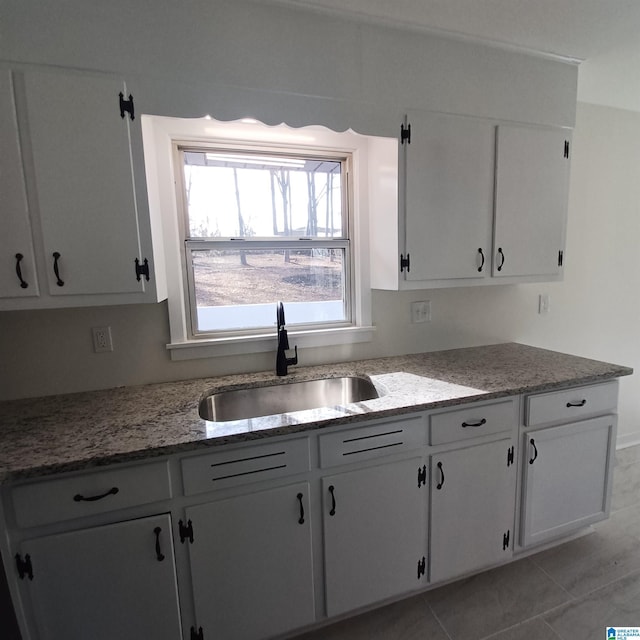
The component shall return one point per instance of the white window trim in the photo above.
(160, 135)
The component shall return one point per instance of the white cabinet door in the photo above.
(251, 564)
(106, 582)
(532, 179)
(17, 265)
(84, 183)
(472, 509)
(375, 534)
(448, 197)
(567, 473)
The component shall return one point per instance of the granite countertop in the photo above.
(69, 432)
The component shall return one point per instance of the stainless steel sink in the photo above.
(240, 404)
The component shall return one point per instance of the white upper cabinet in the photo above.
(479, 203)
(84, 181)
(448, 197)
(532, 177)
(17, 264)
(87, 194)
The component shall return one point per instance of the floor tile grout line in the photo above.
(546, 573)
(540, 615)
(606, 585)
(437, 619)
(555, 633)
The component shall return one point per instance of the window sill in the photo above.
(210, 348)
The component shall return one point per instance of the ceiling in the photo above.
(604, 33)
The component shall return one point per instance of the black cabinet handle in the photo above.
(441, 483)
(481, 267)
(577, 404)
(159, 554)
(535, 451)
(501, 255)
(19, 258)
(301, 519)
(56, 257)
(474, 424)
(81, 498)
(333, 501)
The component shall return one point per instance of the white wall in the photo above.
(594, 312)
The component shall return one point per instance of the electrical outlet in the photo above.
(102, 339)
(421, 311)
(543, 303)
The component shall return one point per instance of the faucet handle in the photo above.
(293, 360)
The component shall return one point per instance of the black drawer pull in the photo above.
(333, 501)
(577, 404)
(535, 451)
(159, 554)
(19, 258)
(482, 263)
(301, 519)
(80, 498)
(441, 483)
(501, 256)
(474, 424)
(56, 270)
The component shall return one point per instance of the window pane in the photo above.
(239, 289)
(243, 195)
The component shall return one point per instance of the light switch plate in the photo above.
(421, 311)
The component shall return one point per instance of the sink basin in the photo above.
(240, 404)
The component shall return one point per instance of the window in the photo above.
(262, 226)
(231, 253)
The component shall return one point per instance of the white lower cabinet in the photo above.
(251, 564)
(567, 474)
(272, 537)
(472, 508)
(374, 533)
(106, 582)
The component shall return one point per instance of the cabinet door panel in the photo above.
(472, 509)
(377, 535)
(449, 197)
(566, 478)
(16, 226)
(105, 583)
(251, 564)
(84, 182)
(532, 179)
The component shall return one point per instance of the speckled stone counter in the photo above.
(76, 431)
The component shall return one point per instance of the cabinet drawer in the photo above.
(242, 466)
(88, 494)
(571, 404)
(473, 421)
(365, 443)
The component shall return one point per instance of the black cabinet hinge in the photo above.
(566, 148)
(126, 106)
(405, 134)
(186, 532)
(142, 269)
(422, 567)
(24, 566)
(560, 258)
(422, 476)
(405, 263)
(505, 540)
(510, 454)
(197, 635)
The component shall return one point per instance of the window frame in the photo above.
(369, 162)
(345, 158)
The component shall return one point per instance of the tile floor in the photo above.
(571, 592)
